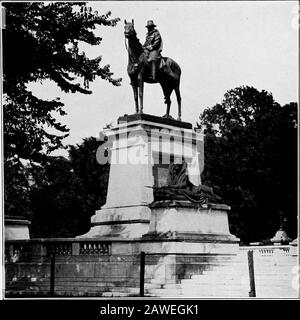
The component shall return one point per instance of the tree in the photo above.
(55, 199)
(41, 41)
(16, 190)
(250, 157)
(93, 176)
(66, 192)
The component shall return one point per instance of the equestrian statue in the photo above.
(145, 64)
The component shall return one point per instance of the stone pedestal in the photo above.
(141, 149)
(16, 228)
(294, 242)
(182, 238)
(185, 219)
(281, 237)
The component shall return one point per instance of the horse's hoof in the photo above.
(167, 116)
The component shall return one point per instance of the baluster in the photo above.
(102, 248)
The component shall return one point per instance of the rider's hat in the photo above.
(150, 23)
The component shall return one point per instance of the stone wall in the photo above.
(105, 269)
(81, 268)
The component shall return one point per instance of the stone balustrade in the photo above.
(271, 250)
(90, 267)
(17, 250)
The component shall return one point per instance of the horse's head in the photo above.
(129, 29)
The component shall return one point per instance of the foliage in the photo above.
(16, 192)
(66, 192)
(251, 159)
(41, 40)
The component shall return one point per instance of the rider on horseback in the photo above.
(153, 47)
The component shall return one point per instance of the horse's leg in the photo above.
(168, 101)
(141, 92)
(135, 94)
(177, 91)
(167, 93)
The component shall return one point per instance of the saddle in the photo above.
(162, 62)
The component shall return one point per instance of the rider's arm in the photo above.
(156, 42)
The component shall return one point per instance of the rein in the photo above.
(134, 60)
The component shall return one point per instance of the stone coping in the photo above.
(46, 240)
(275, 246)
(149, 117)
(187, 204)
(110, 239)
(16, 221)
(15, 217)
(115, 222)
(180, 238)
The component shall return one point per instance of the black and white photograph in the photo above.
(149, 150)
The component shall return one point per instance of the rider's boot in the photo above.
(153, 70)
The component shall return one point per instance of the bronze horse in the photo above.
(139, 72)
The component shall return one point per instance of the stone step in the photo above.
(219, 286)
(164, 292)
(276, 284)
(274, 268)
(274, 264)
(243, 279)
(234, 291)
(219, 275)
(274, 275)
(152, 286)
(160, 281)
(276, 294)
(215, 285)
(227, 277)
(216, 293)
(191, 292)
(114, 294)
(172, 286)
(237, 285)
(242, 271)
(264, 262)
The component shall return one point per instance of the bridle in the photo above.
(131, 57)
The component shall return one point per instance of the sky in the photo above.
(219, 45)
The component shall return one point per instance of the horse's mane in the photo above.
(136, 46)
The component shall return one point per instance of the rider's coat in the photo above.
(153, 45)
